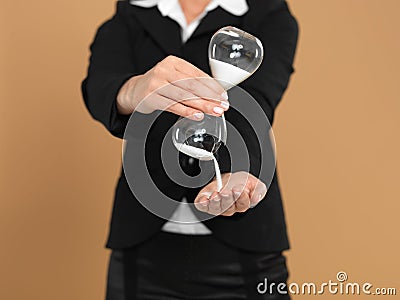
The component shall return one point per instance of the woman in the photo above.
(144, 46)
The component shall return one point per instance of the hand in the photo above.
(240, 191)
(192, 97)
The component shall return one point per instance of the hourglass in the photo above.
(233, 56)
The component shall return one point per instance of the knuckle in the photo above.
(207, 106)
(180, 96)
(190, 101)
(153, 84)
(190, 85)
(159, 69)
(241, 202)
(188, 111)
(170, 59)
(159, 64)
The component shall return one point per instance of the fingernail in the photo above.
(198, 115)
(218, 110)
(224, 95)
(237, 194)
(259, 197)
(225, 104)
(203, 204)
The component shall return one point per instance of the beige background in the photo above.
(337, 133)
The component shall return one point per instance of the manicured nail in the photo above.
(218, 110)
(198, 115)
(225, 95)
(225, 104)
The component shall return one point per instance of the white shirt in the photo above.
(172, 9)
(185, 221)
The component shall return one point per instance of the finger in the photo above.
(243, 202)
(199, 87)
(214, 207)
(238, 179)
(237, 190)
(259, 192)
(227, 199)
(210, 107)
(230, 211)
(191, 70)
(176, 93)
(179, 72)
(214, 86)
(201, 203)
(202, 194)
(187, 98)
(167, 104)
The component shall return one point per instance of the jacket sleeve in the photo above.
(279, 33)
(110, 66)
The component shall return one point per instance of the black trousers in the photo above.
(175, 266)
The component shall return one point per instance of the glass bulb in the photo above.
(199, 139)
(234, 55)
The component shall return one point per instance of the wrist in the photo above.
(125, 99)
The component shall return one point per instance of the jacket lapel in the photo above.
(164, 31)
(215, 20)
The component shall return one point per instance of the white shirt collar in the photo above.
(235, 7)
(172, 9)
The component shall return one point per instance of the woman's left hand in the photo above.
(240, 191)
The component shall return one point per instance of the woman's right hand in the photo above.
(187, 91)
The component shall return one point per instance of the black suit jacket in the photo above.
(131, 43)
